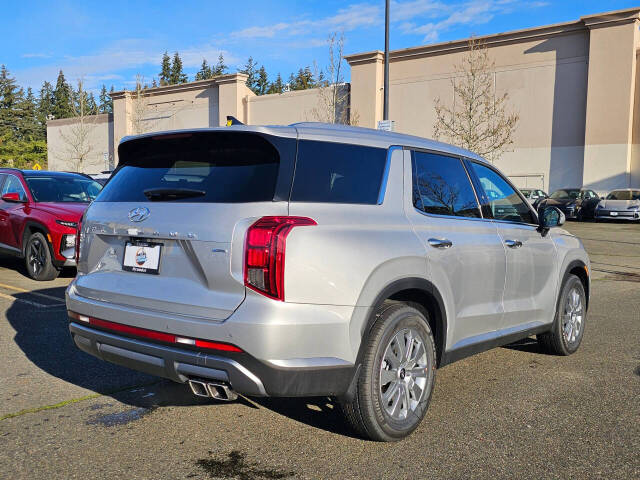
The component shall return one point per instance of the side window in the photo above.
(338, 173)
(441, 186)
(13, 185)
(2, 177)
(504, 202)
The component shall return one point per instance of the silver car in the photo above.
(621, 204)
(318, 260)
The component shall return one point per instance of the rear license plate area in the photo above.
(142, 257)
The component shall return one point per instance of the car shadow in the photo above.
(529, 345)
(319, 412)
(17, 264)
(42, 333)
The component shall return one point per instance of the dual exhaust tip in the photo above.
(217, 391)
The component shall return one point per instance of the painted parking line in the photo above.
(37, 294)
(30, 302)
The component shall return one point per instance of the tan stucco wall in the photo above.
(610, 101)
(99, 137)
(291, 107)
(548, 74)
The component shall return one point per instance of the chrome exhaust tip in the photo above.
(223, 392)
(199, 388)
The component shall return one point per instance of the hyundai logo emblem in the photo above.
(139, 214)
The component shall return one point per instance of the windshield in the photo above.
(566, 194)
(624, 195)
(63, 189)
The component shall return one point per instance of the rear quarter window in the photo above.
(338, 173)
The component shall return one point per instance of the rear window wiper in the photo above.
(160, 194)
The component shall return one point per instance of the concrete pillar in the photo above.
(232, 91)
(121, 120)
(367, 76)
(610, 99)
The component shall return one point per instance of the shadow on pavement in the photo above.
(17, 264)
(43, 335)
(526, 345)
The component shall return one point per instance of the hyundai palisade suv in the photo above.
(39, 214)
(318, 260)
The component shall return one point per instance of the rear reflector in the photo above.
(152, 334)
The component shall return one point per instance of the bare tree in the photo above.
(333, 95)
(139, 107)
(479, 119)
(77, 140)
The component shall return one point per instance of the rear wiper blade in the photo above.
(159, 194)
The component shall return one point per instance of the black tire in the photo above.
(37, 258)
(557, 341)
(366, 411)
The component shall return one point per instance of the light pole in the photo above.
(385, 108)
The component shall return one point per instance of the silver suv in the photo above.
(318, 260)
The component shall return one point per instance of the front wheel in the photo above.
(397, 375)
(38, 258)
(565, 335)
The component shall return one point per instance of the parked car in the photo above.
(103, 177)
(575, 203)
(534, 195)
(623, 204)
(207, 261)
(39, 214)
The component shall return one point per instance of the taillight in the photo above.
(78, 238)
(264, 254)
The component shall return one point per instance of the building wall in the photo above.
(565, 81)
(291, 107)
(63, 134)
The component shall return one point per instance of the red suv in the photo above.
(39, 215)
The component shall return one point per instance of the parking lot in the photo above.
(510, 412)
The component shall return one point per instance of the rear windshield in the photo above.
(193, 167)
(338, 173)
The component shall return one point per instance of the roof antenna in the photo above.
(231, 120)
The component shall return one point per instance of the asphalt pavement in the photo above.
(512, 412)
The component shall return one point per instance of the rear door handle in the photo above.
(440, 243)
(513, 243)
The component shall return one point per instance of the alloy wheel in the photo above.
(403, 374)
(37, 256)
(572, 317)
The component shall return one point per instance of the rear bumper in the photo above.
(291, 349)
(629, 216)
(245, 374)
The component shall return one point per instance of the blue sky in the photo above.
(111, 41)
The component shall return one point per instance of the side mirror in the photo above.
(12, 197)
(550, 217)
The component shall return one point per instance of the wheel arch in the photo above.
(580, 270)
(420, 294)
(31, 227)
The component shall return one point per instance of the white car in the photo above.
(623, 204)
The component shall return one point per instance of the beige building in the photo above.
(573, 85)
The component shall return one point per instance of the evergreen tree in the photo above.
(92, 106)
(303, 80)
(165, 69)
(62, 98)
(45, 107)
(220, 68)
(177, 74)
(205, 71)
(277, 86)
(251, 72)
(105, 105)
(262, 83)
(154, 84)
(28, 126)
(9, 100)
